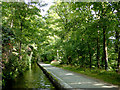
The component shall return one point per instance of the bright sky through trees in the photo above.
(44, 8)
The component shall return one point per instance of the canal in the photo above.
(33, 78)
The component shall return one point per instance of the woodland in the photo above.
(84, 34)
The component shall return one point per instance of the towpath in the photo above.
(69, 79)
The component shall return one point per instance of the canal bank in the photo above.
(56, 81)
(64, 79)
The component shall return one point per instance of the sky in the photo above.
(45, 8)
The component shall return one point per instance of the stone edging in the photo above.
(55, 81)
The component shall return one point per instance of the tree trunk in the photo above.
(83, 58)
(105, 56)
(69, 60)
(118, 64)
(117, 40)
(90, 57)
(117, 50)
(20, 47)
(98, 51)
(102, 61)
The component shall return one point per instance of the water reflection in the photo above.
(33, 78)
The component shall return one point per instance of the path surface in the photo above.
(73, 80)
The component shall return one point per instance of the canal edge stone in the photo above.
(57, 82)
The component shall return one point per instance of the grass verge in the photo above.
(106, 76)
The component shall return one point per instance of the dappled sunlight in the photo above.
(82, 83)
(52, 68)
(76, 83)
(69, 74)
(110, 86)
(97, 84)
(46, 65)
(102, 85)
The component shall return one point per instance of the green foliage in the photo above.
(19, 21)
(80, 28)
(79, 34)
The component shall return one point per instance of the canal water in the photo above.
(33, 78)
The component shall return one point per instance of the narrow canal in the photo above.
(33, 78)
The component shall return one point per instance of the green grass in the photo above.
(106, 76)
